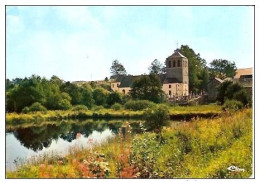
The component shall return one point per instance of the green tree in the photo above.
(155, 118)
(87, 96)
(147, 87)
(100, 96)
(232, 91)
(114, 97)
(196, 67)
(117, 69)
(222, 68)
(156, 67)
(74, 91)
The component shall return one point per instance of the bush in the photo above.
(34, 107)
(116, 106)
(139, 105)
(79, 108)
(232, 105)
(97, 108)
(156, 117)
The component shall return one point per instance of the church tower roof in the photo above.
(177, 54)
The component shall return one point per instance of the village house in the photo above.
(243, 76)
(175, 82)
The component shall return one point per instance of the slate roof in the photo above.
(177, 54)
(127, 81)
(171, 81)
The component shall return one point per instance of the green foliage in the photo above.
(197, 69)
(97, 108)
(100, 96)
(156, 67)
(79, 108)
(229, 90)
(117, 69)
(34, 107)
(138, 105)
(222, 68)
(114, 97)
(147, 87)
(156, 117)
(116, 106)
(232, 105)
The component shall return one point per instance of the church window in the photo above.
(123, 91)
(170, 86)
(170, 92)
(179, 63)
(170, 64)
(173, 63)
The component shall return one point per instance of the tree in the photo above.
(222, 68)
(232, 91)
(117, 69)
(196, 67)
(87, 96)
(114, 97)
(155, 118)
(147, 87)
(100, 96)
(156, 67)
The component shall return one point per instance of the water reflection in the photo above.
(25, 142)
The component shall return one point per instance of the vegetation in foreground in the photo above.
(202, 148)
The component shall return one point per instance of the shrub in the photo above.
(26, 110)
(156, 118)
(97, 108)
(79, 108)
(139, 105)
(116, 106)
(34, 107)
(232, 105)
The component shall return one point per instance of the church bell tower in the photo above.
(177, 68)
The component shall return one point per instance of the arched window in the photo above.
(123, 91)
(170, 64)
(179, 63)
(173, 63)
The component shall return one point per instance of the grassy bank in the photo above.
(201, 148)
(175, 113)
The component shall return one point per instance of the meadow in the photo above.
(219, 147)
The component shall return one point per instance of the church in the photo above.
(175, 82)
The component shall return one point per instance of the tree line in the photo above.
(56, 94)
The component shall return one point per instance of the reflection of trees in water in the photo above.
(37, 138)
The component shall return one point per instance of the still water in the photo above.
(24, 142)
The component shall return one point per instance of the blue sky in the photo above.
(80, 42)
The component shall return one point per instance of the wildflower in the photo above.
(90, 140)
(50, 167)
(60, 162)
(42, 166)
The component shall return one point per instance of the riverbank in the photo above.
(202, 148)
(177, 112)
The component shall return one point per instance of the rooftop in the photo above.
(243, 71)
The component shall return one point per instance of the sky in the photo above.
(80, 42)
